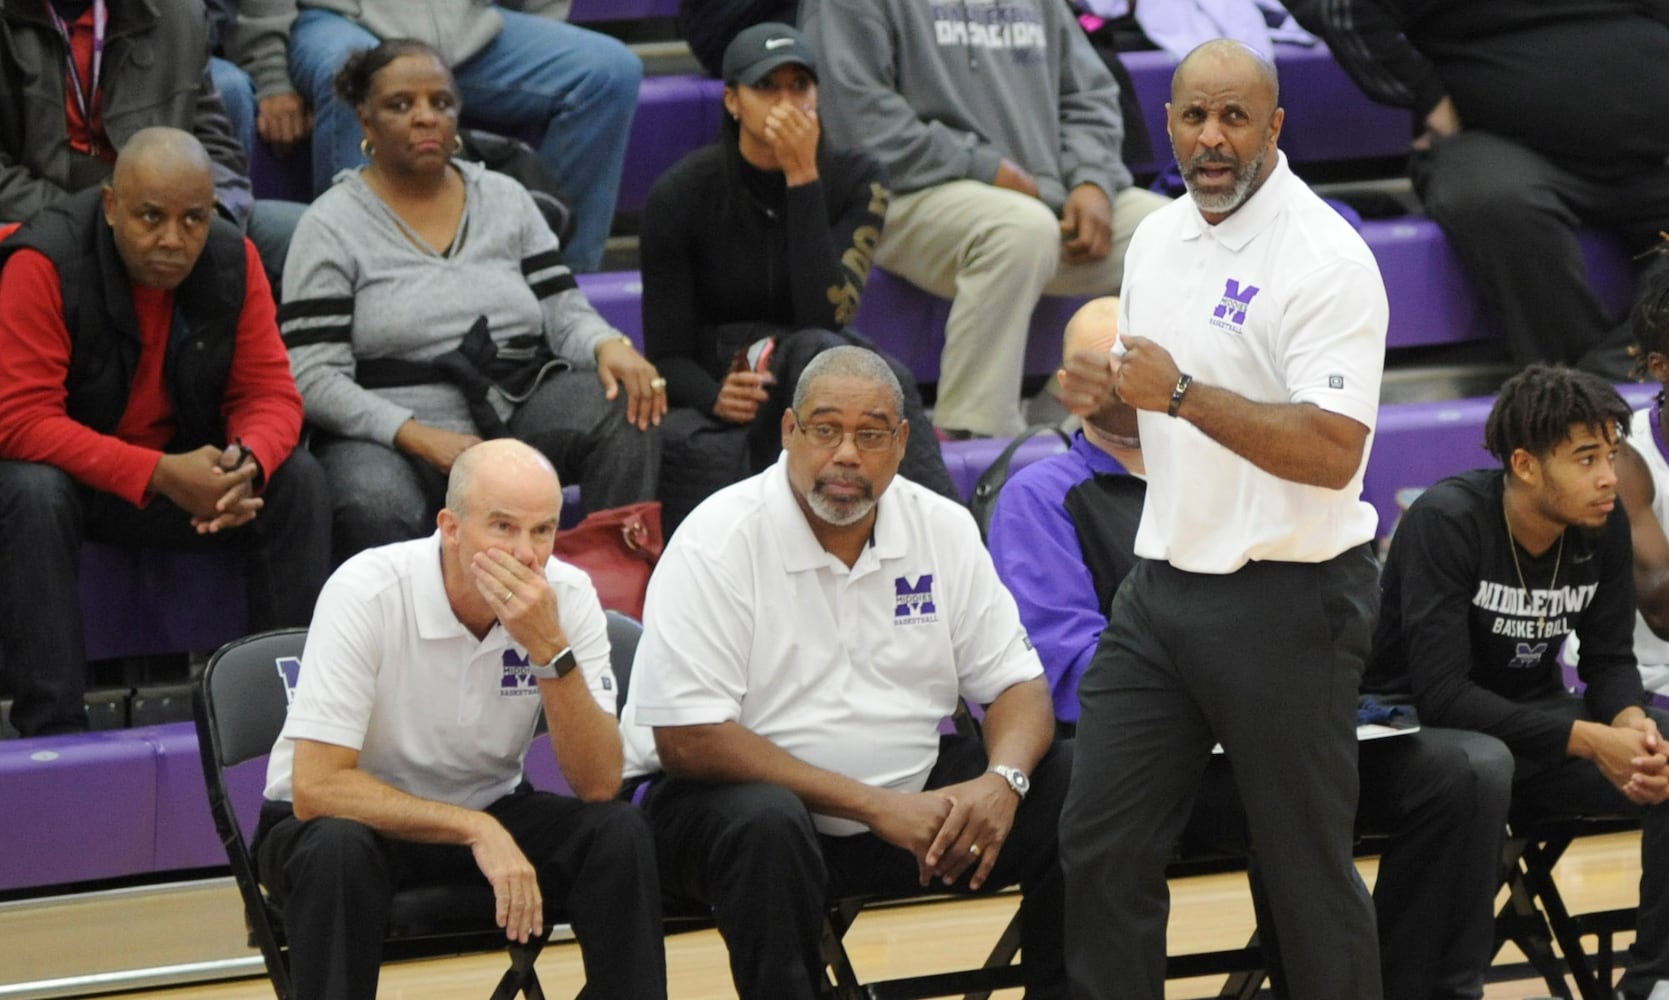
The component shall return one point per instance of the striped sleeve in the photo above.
(573, 328)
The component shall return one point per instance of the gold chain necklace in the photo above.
(1512, 546)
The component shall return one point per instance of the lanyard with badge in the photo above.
(86, 93)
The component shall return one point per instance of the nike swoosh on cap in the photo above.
(777, 43)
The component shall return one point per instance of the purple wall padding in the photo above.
(185, 836)
(77, 808)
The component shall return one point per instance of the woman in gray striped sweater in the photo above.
(427, 306)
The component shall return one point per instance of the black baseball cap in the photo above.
(757, 51)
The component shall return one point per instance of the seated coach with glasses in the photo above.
(804, 634)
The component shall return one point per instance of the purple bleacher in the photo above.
(585, 11)
(1327, 116)
(77, 808)
(142, 602)
(675, 114)
(1417, 444)
(967, 460)
(618, 297)
(1432, 302)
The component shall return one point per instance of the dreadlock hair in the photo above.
(1650, 319)
(1537, 408)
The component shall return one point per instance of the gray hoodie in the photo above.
(943, 90)
(457, 29)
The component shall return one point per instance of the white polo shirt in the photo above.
(390, 671)
(749, 619)
(1281, 302)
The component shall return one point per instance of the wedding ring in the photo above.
(658, 384)
(507, 595)
(973, 849)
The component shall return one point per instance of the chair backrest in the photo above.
(623, 633)
(239, 704)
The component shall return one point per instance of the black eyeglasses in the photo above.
(827, 437)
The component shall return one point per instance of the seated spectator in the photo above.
(759, 243)
(1000, 130)
(400, 762)
(575, 90)
(144, 401)
(804, 635)
(1063, 537)
(1488, 573)
(1511, 159)
(1643, 488)
(427, 307)
(62, 122)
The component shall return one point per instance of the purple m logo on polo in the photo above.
(913, 601)
(1234, 303)
(518, 675)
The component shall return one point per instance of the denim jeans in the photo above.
(572, 92)
(237, 92)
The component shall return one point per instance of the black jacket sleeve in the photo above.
(829, 258)
(668, 247)
(1366, 37)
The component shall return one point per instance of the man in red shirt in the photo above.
(145, 399)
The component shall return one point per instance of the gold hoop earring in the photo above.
(366, 149)
(457, 144)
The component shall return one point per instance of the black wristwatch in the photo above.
(1183, 381)
(559, 666)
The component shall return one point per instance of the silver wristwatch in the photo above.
(559, 666)
(1015, 777)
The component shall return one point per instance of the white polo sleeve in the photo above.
(698, 620)
(586, 627)
(1333, 348)
(993, 652)
(337, 684)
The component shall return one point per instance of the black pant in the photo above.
(334, 879)
(44, 515)
(750, 851)
(1512, 217)
(1575, 787)
(1267, 661)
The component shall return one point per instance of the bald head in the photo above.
(159, 204)
(163, 150)
(484, 470)
(1094, 327)
(1226, 55)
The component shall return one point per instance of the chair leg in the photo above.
(844, 984)
(1002, 953)
(1538, 872)
(521, 978)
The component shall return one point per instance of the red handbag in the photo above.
(618, 549)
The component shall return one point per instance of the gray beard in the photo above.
(838, 514)
(1228, 201)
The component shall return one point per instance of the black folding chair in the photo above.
(1535, 915)
(998, 972)
(239, 704)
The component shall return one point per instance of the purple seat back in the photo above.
(967, 460)
(675, 114)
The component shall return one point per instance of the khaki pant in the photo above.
(993, 252)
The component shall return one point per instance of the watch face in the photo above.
(1018, 779)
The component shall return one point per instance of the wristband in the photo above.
(1182, 384)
